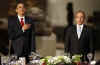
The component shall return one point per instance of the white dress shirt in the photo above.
(79, 30)
(20, 20)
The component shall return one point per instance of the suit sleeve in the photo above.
(91, 41)
(9, 30)
(13, 32)
(67, 41)
(19, 33)
(33, 45)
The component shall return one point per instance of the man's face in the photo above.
(20, 9)
(79, 18)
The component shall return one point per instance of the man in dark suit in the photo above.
(79, 38)
(21, 32)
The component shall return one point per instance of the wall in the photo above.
(3, 8)
(57, 9)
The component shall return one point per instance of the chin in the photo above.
(80, 23)
(23, 13)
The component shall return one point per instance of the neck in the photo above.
(79, 24)
(20, 15)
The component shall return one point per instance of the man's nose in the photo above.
(80, 19)
(22, 9)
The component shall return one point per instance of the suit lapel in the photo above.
(83, 32)
(75, 31)
(18, 22)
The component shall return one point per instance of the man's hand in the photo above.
(26, 27)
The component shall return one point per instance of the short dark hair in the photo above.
(20, 3)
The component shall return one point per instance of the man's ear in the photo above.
(16, 10)
(25, 9)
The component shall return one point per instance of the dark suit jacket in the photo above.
(83, 45)
(22, 42)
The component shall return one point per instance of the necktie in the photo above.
(22, 22)
(80, 29)
(79, 32)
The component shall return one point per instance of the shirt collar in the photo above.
(80, 25)
(19, 17)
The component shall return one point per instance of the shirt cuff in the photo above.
(23, 30)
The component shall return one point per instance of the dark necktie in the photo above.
(22, 22)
